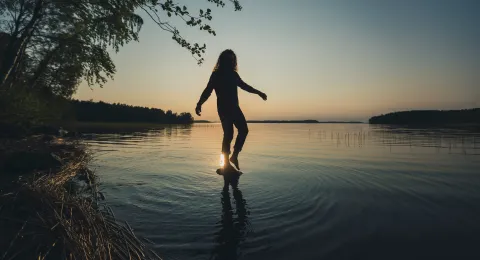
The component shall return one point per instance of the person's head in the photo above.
(226, 61)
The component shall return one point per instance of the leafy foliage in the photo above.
(47, 47)
(189, 19)
(22, 110)
(47, 32)
(44, 34)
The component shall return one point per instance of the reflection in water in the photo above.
(321, 191)
(233, 230)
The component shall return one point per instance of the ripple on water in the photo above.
(308, 191)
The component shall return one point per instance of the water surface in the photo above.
(309, 191)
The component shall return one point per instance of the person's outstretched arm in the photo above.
(250, 89)
(205, 95)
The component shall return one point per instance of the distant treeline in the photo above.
(89, 111)
(429, 117)
(309, 121)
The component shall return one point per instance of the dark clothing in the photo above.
(225, 84)
(234, 117)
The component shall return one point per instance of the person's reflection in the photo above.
(232, 230)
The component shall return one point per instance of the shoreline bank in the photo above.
(51, 208)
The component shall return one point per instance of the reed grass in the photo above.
(48, 215)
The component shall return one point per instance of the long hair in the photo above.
(226, 61)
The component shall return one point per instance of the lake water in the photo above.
(308, 191)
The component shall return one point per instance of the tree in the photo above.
(49, 39)
(104, 112)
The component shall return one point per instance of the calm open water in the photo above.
(309, 191)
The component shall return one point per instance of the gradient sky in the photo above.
(325, 60)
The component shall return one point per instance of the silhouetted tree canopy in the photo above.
(89, 111)
(52, 39)
(429, 117)
(48, 47)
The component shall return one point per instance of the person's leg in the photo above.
(242, 127)
(227, 125)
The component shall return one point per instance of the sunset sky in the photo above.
(325, 60)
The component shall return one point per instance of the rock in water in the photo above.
(228, 171)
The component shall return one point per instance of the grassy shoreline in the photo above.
(50, 206)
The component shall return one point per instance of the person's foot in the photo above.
(234, 160)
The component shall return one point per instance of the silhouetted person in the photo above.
(225, 80)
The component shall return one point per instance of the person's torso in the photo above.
(225, 86)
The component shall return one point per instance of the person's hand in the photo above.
(198, 110)
(263, 95)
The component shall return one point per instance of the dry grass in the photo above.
(50, 216)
